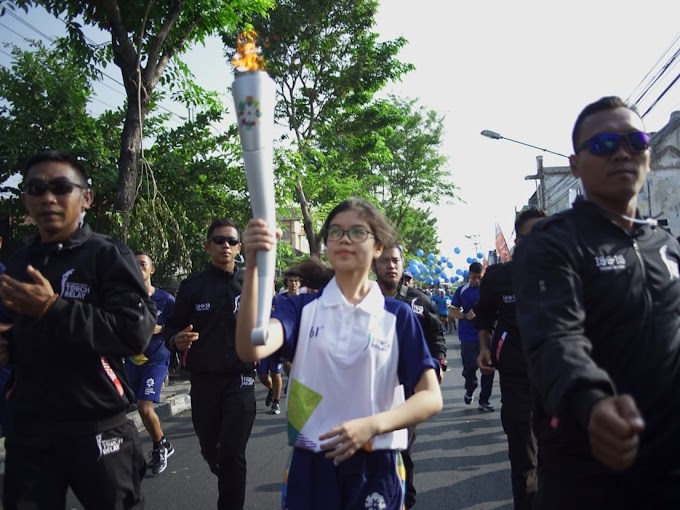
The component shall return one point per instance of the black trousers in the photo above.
(516, 417)
(104, 470)
(410, 494)
(223, 412)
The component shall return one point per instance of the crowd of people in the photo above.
(583, 327)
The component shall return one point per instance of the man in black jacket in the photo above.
(78, 306)
(202, 327)
(389, 269)
(598, 306)
(500, 347)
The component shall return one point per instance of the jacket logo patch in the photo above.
(108, 446)
(672, 265)
(202, 307)
(508, 298)
(610, 262)
(73, 290)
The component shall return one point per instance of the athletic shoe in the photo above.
(159, 460)
(276, 408)
(168, 447)
(270, 397)
(486, 407)
(468, 398)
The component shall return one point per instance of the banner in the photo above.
(502, 246)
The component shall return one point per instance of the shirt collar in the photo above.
(332, 296)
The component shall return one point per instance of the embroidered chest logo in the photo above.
(417, 309)
(73, 290)
(202, 307)
(671, 264)
(508, 298)
(237, 303)
(610, 262)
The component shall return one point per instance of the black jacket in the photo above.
(209, 301)
(495, 312)
(426, 312)
(61, 362)
(599, 313)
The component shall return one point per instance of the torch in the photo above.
(254, 98)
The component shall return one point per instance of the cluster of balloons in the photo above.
(434, 268)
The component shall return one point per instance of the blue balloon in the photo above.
(442, 259)
(446, 279)
(437, 269)
(414, 270)
(456, 250)
(430, 262)
(480, 255)
(449, 264)
(469, 260)
(459, 272)
(430, 256)
(428, 279)
(455, 279)
(420, 252)
(436, 281)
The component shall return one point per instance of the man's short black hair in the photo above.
(526, 215)
(57, 157)
(140, 253)
(219, 223)
(601, 105)
(476, 268)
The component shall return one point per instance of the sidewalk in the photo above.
(174, 400)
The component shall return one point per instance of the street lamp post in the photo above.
(496, 136)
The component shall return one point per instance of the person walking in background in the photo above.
(202, 327)
(345, 341)
(389, 270)
(500, 347)
(146, 372)
(78, 307)
(462, 308)
(442, 302)
(598, 307)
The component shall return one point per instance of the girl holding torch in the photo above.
(352, 350)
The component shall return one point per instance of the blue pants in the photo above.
(364, 481)
(469, 352)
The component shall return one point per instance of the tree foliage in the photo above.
(325, 59)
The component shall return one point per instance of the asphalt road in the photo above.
(460, 458)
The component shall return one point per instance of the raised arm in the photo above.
(257, 236)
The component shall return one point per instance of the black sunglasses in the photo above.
(606, 144)
(58, 186)
(222, 239)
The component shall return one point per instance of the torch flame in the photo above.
(247, 56)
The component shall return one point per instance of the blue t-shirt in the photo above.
(442, 303)
(165, 302)
(466, 297)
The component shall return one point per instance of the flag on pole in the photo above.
(501, 245)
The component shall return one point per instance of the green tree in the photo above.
(325, 59)
(146, 37)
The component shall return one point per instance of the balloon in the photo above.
(459, 272)
(449, 264)
(442, 259)
(436, 281)
(420, 252)
(437, 269)
(466, 273)
(430, 256)
(456, 250)
(428, 279)
(446, 279)
(415, 270)
(469, 260)
(455, 279)
(480, 255)
(430, 262)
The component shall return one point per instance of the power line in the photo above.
(661, 95)
(670, 46)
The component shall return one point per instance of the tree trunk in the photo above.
(128, 163)
(314, 246)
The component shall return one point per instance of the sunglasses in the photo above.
(59, 186)
(606, 144)
(222, 239)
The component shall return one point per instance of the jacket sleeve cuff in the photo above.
(582, 402)
(58, 309)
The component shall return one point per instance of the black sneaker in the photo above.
(486, 407)
(276, 408)
(270, 397)
(169, 448)
(159, 460)
(468, 398)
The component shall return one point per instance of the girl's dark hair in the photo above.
(381, 228)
